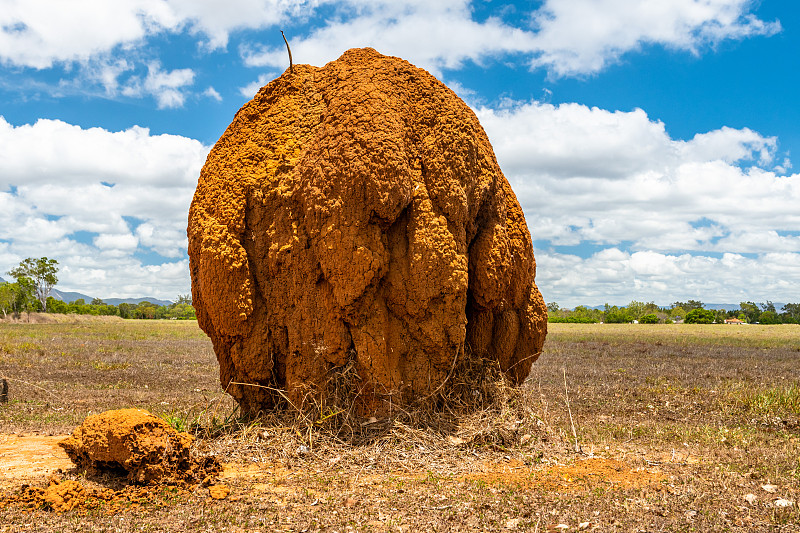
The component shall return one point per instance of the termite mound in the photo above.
(355, 216)
(138, 443)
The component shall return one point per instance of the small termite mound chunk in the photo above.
(354, 216)
(138, 442)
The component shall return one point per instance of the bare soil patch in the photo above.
(30, 458)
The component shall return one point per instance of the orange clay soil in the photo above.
(61, 495)
(147, 448)
(24, 459)
(132, 441)
(356, 214)
(583, 474)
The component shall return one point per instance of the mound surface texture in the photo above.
(356, 214)
(143, 445)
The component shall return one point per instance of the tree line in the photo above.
(691, 312)
(179, 310)
(35, 279)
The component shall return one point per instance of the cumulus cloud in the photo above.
(167, 87)
(40, 33)
(695, 217)
(104, 204)
(617, 277)
(584, 36)
(212, 93)
(567, 37)
(53, 152)
(250, 90)
(432, 35)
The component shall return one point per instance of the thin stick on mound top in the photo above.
(291, 66)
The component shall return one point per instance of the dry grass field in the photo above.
(619, 428)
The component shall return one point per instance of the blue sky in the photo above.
(650, 143)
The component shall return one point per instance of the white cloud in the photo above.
(250, 90)
(39, 33)
(212, 93)
(584, 36)
(432, 35)
(617, 277)
(110, 41)
(128, 189)
(125, 279)
(56, 153)
(586, 174)
(124, 242)
(617, 179)
(567, 37)
(168, 240)
(168, 87)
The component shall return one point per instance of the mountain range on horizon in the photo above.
(68, 296)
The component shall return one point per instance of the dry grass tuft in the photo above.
(479, 414)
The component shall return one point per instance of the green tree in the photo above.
(652, 318)
(41, 272)
(636, 309)
(750, 310)
(690, 305)
(700, 316)
(97, 301)
(180, 312)
(677, 312)
(187, 299)
(17, 297)
(791, 313)
(767, 306)
(769, 317)
(552, 307)
(616, 315)
(7, 298)
(56, 306)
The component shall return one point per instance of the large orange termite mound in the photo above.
(355, 214)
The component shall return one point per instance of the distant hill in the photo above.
(2, 280)
(117, 301)
(66, 296)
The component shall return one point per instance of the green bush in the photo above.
(572, 320)
(652, 318)
(700, 316)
